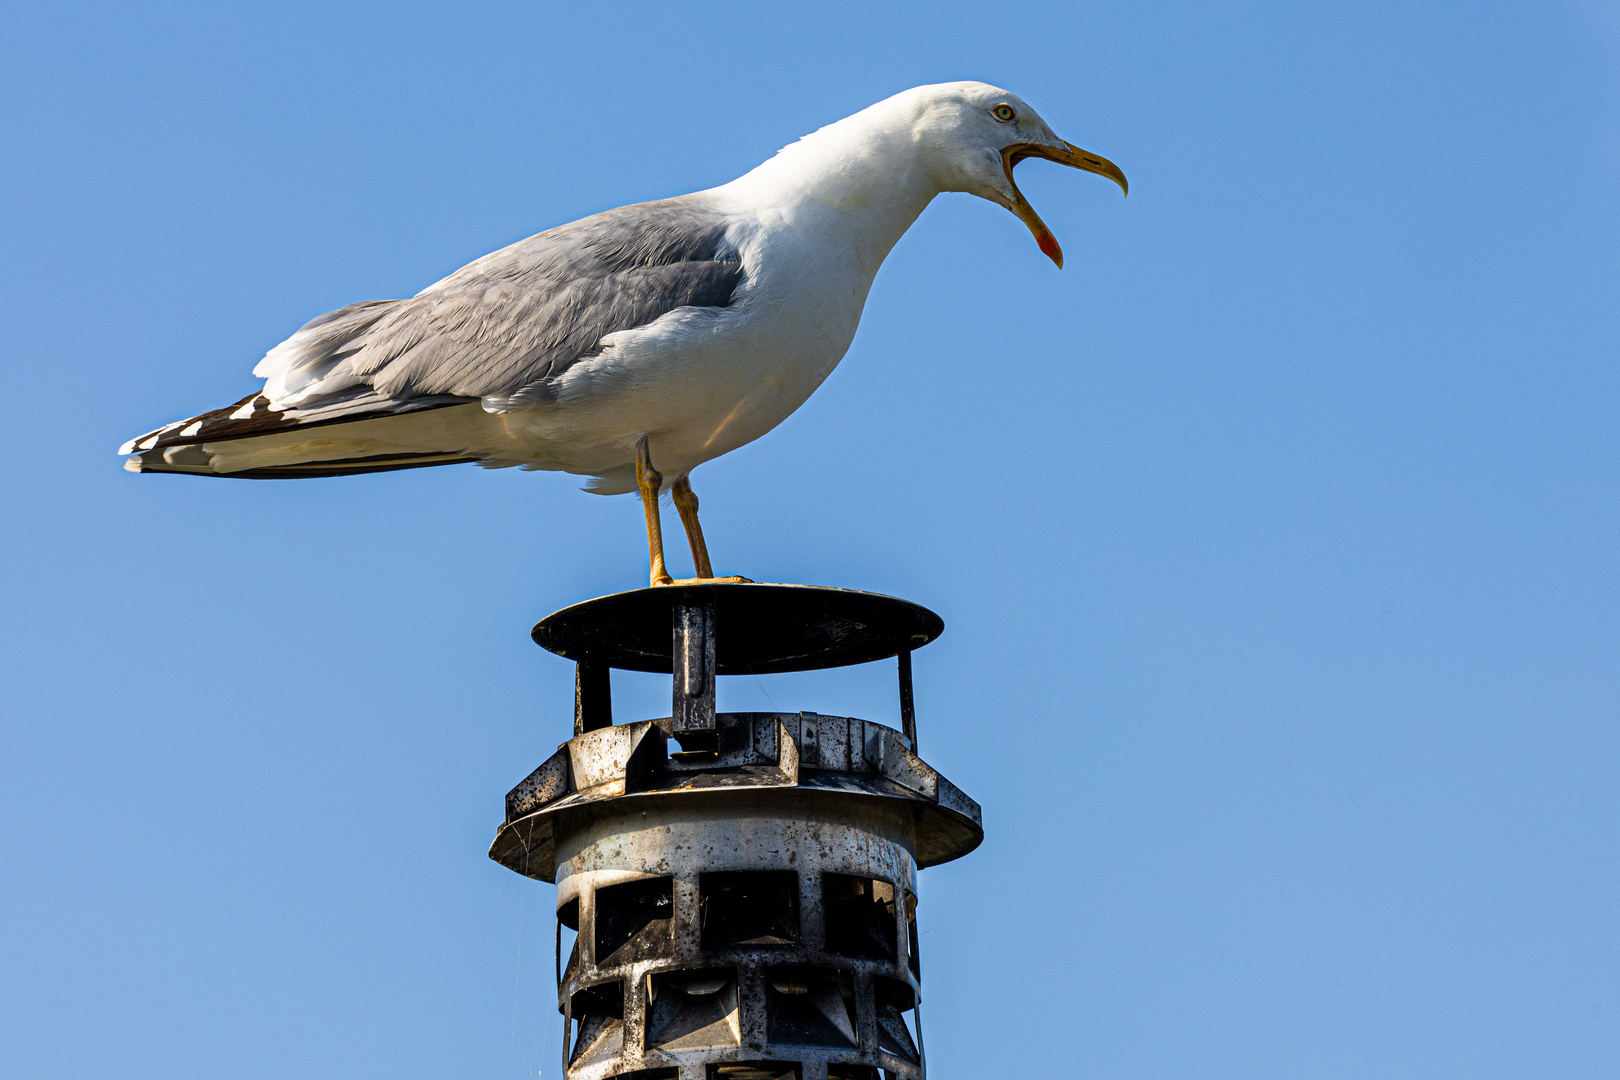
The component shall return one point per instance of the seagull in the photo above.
(666, 332)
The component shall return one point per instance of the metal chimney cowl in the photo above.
(744, 906)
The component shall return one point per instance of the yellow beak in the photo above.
(1072, 156)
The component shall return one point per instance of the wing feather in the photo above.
(509, 322)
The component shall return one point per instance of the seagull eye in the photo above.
(1004, 112)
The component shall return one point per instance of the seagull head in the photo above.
(975, 133)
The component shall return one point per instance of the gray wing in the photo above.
(504, 326)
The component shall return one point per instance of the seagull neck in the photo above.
(864, 185)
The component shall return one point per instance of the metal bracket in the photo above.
(593, 696)
(693, 706)
(908, 706)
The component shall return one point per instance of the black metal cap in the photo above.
(758, 629)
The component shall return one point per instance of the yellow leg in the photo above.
(686, 502)
(649, 481)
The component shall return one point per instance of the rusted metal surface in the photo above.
(741, 887)
(707, 938)
(762, 629)
(759, 757)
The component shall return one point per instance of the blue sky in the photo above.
(1275, 536)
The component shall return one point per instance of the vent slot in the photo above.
(596, 1014)
(749, 908)
(809, 1007)
(634, 921)
(689, 1010)
(567, 941)
(913, 953)
(755, 1070)
(896, 1037)
(861, 918)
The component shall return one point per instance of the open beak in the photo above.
(1072, 156)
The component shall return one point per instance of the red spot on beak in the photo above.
(1049, 245)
